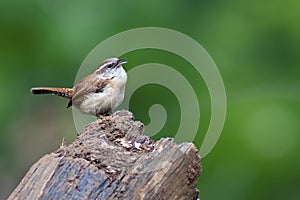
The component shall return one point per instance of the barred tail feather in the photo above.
(63, 92)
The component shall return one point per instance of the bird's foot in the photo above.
(103, 116)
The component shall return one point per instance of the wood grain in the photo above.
(112, 159)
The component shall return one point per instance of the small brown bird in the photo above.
(97, 93)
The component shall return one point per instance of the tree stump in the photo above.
(112, 159)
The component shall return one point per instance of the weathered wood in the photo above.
(112, 159)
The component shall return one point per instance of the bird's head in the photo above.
(111, 67)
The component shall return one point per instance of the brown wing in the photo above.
(88, 85)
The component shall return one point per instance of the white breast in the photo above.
(110, 98)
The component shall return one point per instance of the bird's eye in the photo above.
(110, 65)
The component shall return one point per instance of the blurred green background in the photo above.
(255, 45)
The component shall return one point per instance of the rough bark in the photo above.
(112, 159)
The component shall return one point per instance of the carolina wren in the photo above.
(97, 93)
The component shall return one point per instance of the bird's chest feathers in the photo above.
(111, 96)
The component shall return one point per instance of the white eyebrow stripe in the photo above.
(106, 64)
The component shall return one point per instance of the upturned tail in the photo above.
(63, 92)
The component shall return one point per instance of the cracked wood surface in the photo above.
(112, 159)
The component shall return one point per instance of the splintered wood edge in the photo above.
(36, 178)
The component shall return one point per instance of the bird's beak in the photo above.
(122, 61)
